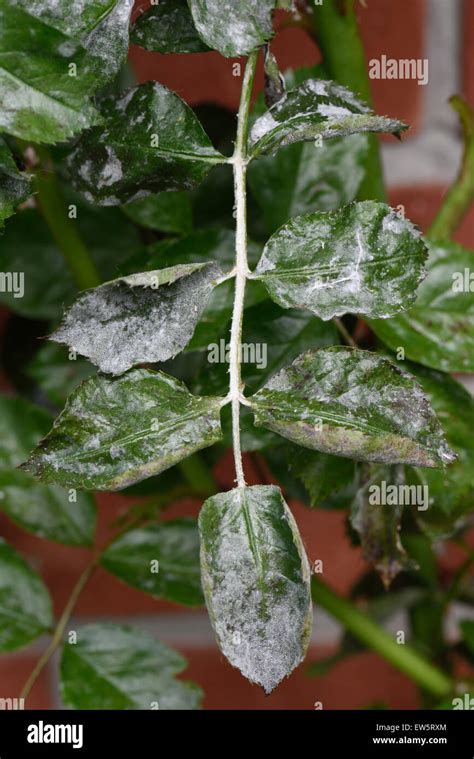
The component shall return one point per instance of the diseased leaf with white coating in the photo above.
(312, 109)
(53, 57)
(362, 259)
(168, 28)
(114, 432)
(75, 18)
(353, 403)
(123, 667)
(25, 606)
(15, 185)
(233, 28)
(150, 141)
(143, 318)
(256, 582)
(438, 331)
(378, 523)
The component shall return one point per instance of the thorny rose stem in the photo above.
(239, 162)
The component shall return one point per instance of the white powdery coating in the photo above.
(111, 172)
(119, 325)
(362, 258)
(233, 28)
(360, 397)
(109, 41)
(263, 633)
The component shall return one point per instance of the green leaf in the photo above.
(45, 510)
(21, 426)
(439, 330)
(160, 559)
(122, 667)
(166, 212)
(52, 59)
(312, 109)
(233, 29)
(362, 259)
(167, 28)
(150, 141)
(352, 403)
(256, 579)
(15, 185)
(451, 491)
(25, 605)
(146, 317)
(56, 374)
(328, 479)
(378, 524)
(27, 247)
(302, 178)
(114, 432)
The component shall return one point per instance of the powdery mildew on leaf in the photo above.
(150, 141)
(114, 432)
(143, 318)
(362, 259)
(256, 581)
(40, 99)
(353, 403)
(315, 108)
(233, 28)
(438, 331)
(168, 28)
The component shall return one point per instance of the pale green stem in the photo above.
(239, 162)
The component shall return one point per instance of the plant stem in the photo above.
(61, 626)
(338, 37)
(461, 194)
(63, 229)
(403, 657)
(239, 162)
(344, 332)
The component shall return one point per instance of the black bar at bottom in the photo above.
(136, 734)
